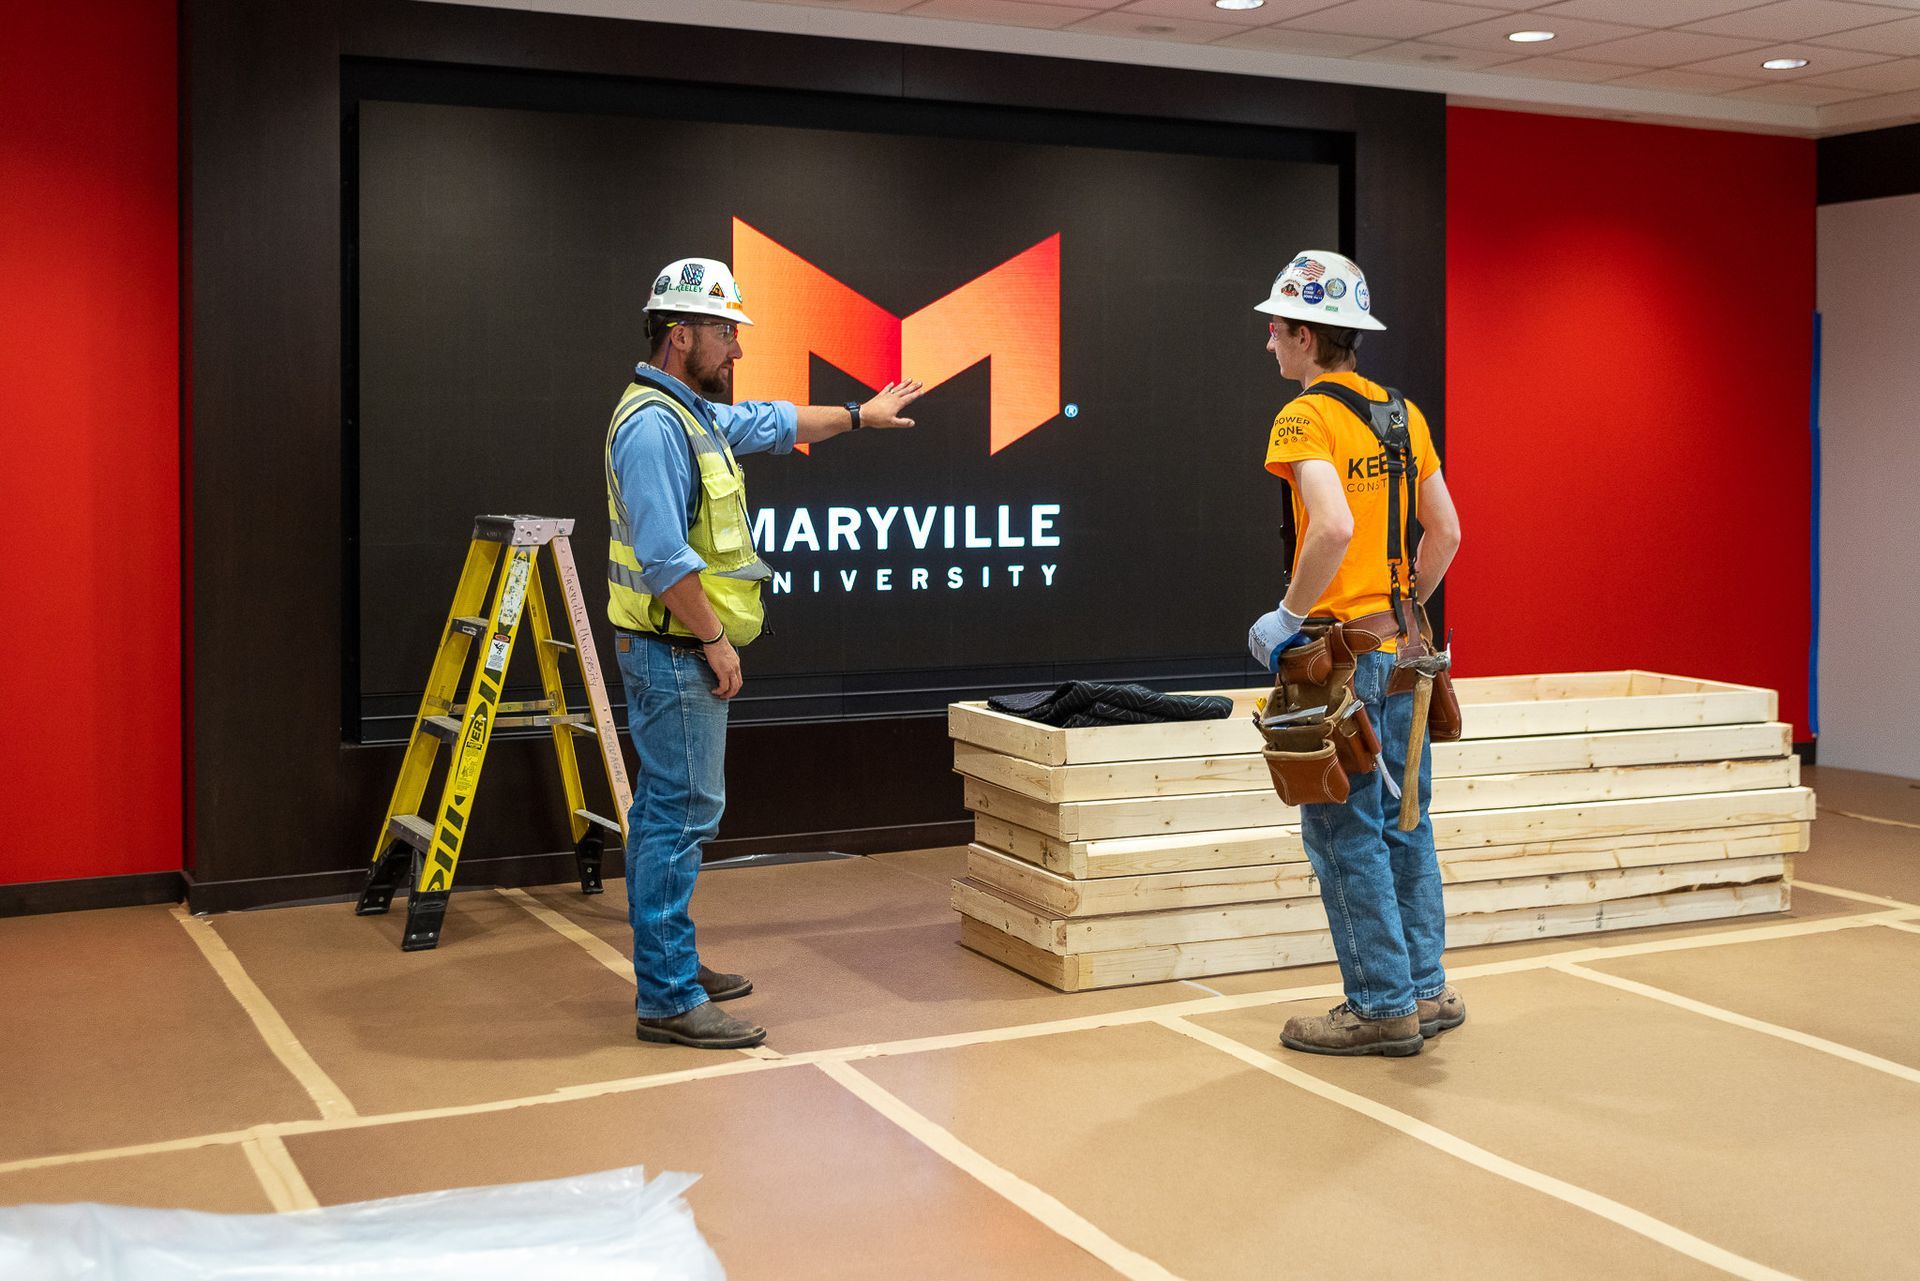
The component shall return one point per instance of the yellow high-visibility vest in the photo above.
(721, 535)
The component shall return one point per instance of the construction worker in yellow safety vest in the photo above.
(684, 585)
(1380, 885)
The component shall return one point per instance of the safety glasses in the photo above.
(726, 328)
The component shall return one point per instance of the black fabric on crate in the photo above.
(1086, 704)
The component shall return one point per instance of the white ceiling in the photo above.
(1670, 61)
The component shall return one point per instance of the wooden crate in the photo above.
(1579, 801)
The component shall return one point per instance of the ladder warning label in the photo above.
(497, 654)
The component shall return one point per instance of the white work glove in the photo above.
(1270, 633)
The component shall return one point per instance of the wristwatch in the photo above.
(853, 411)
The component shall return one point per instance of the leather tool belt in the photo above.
(1317, 730)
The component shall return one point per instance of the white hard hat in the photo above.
(698, 286)
(1322, 287)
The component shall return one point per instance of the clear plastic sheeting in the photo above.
(596, 1227)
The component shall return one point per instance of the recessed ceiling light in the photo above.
(1530, 37)
(1784, 64)
(1238, 4)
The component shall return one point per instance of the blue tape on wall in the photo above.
(1813, 645)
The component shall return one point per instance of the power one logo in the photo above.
(1009, 316)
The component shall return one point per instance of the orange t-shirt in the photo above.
(1321, 427)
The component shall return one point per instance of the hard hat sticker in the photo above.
(1360, 298)
(716, 291)
(1312, 268)
(1291, 289)
(1312, 294)
(661, 285)
(1336, 288)
(692, 275)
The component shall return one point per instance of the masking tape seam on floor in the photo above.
(922, 1045)
(1044, 1208)
(1807, 1039)
(1637, 1221)
(1857, 896)
(1869, 818)
(273, 1029)
(279, 1175)
(593, 945)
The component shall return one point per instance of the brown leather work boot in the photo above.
(1442, 1013)
(1341, 1031)
(723, 987)
(703, 1027)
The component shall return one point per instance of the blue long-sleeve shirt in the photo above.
(659, 481)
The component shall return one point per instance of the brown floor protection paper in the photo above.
(799, 1179)
(850, 952)
(1851, 986)
(1881, 795)
(1218, 1171)
(1790, 1157)
(115, 1032)
(217, 1179)
(504, 1007)
(1870, 857)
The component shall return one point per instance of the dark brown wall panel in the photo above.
(275, 790)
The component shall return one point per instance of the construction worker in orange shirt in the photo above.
(1334, 444)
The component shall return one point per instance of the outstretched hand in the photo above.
(884, 409)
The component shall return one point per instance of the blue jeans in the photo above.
(679, 728)
(1381, 886)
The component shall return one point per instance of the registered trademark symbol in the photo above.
(1071, 411)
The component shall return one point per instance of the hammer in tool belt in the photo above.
(1427, 665)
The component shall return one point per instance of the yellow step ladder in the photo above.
(427, 850)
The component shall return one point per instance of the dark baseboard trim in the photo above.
(85, 893)
(1808, 751)
(547, 869)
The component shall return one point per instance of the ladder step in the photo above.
(560, 644)
(471, 626)
(444, 728)
(591, 817)
(414, 830)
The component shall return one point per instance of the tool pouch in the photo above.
(1309, 760)
(1354, 739)
(1443, 716)
(1305, 765)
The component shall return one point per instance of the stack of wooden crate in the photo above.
(1574, 803)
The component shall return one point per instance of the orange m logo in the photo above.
(1010, 316)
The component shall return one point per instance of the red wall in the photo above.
(89, 342)
(1629, 349)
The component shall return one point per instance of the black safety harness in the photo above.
(1388, 421)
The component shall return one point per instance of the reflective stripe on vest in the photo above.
(721, 534)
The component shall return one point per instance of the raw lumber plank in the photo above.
(1068, 935)
(1534, 830)
(1016, 878)
(1215, 811)
(1732, 706)
(1132, 856)
(1234, 956)
(1011, 877)
(1500, 862)
(1247, 772)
